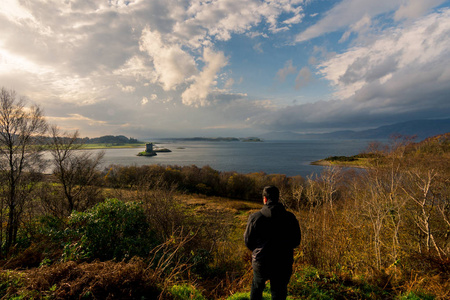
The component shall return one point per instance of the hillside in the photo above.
(111, 139)
(437, 145)
(420, 128)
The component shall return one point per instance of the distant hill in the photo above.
(420, 128)
(207, 139)
(214, 139)
(111, 139)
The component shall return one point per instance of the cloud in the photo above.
(294, 20)
(303, 78)
(232, 109)
(12, 10)
(90, 42)
(127, 88)
(135, 69)
(123, 63)
(349, 12)
(286, 71)
(196, 94)
(195, 28)
(415, 8)
(77, 118)
(204, 21)
(229, 83)
(400, 76)
(66, 50)
(362, 26)
(258, 48)
(412, 48)
(173, 66)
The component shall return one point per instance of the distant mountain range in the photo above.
(420, 128)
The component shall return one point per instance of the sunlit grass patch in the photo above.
(186, 292)
(246, 296)
(310, 283)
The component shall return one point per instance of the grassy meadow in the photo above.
(171, 232)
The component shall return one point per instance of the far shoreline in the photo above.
(111, 146)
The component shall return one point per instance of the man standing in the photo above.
(272, 234)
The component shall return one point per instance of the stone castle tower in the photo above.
(149, 147)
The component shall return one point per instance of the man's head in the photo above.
(271, 194)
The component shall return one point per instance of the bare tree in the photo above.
(330, 178)
(75, 170)
(297, 196)
(20, 129)
(421, 193)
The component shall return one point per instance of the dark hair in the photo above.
(271, 193)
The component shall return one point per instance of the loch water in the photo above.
(272, 157)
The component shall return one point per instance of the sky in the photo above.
(179, 68)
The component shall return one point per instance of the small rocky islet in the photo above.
(150, 151)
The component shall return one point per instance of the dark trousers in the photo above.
(279, 278)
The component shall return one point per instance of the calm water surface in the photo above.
(272, 157)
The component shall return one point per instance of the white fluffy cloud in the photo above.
(197, 93)
(392, 56)
(195, 29)
(219, 19)
(402, 75)
(173, 66)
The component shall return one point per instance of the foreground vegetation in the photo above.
(171, 232)
(176, 232)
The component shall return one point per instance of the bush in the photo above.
(110, 230)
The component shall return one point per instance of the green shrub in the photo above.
(110, 230)
(51, 227)
(186, 292)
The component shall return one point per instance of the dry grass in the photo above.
(136, 279)
(96, 280)
(219, 203)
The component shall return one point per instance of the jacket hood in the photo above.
(272, 209)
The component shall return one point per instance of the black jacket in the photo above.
(272, 234)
